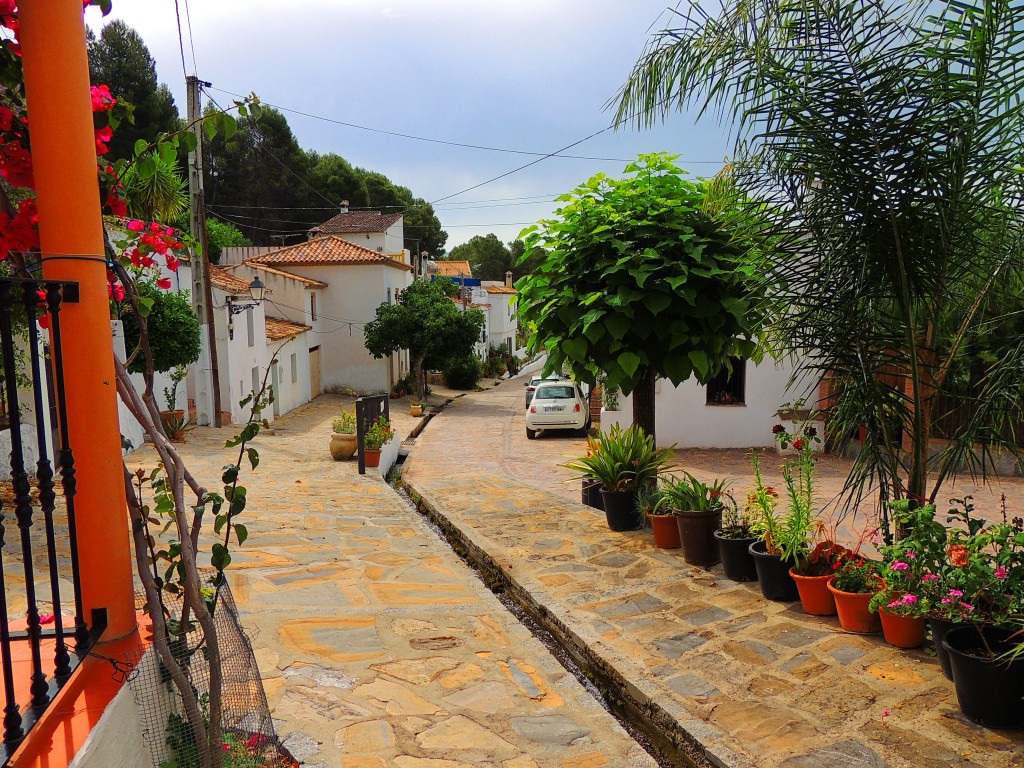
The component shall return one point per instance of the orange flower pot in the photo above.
(852, 608)
(902, 631)
(815, 597)
(372, 457)
(666, 531)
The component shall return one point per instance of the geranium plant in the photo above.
(379, 434)
(859, 576)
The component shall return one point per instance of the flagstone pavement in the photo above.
(377, 645)
(755, 683)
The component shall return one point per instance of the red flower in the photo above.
(164, 283)
(799, 443)
(116, 203)
(103, 137)
(135, 225)
(172, 262)
(115, 291)
(778, 429)
(102, 101)
(6, 118)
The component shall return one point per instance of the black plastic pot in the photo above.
(620, 510)
(697, 532)
(939, 628)
(989, 690)
(736, 558)
(592, 494)
(773, 574)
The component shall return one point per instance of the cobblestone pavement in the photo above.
(377, 645)
(758, 683)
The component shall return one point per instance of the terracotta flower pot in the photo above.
(852, 608)
(372, 457)
(666, 532)
(902, 631)
(815, 597)
(343, 445)
(415, 410)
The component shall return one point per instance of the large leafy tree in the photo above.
(426, 322)
(640, 278)
(120, 59)
(334, 178)
(888, 135)
(491, 258)
(256, 178)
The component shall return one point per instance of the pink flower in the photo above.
(929, 577)
(46, 618)
(900, 566)
(945, 601)
(893, 604)
(135, 225)
(885, 713)
(102, 100)
(955, 593)
(910, 555)
(909, 599)
(966, 606)
(1001, 572)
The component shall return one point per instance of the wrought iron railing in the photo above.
(44, 555)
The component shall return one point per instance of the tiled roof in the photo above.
(454, 268)
(499, 289)
(229, 283)
(458, 301)
(357, 221)
(325, 251)
(307, 281)
(278, 329)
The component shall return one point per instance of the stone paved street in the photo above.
(757, 683)
(377, 645)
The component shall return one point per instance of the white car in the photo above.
(557, 405)
(531, 385)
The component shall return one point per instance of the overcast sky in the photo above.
(530, 75)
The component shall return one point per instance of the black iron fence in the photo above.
(40, 567)
(368, 409)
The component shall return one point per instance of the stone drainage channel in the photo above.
(610, 690)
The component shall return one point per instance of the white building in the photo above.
(373, 230)
(736, 411)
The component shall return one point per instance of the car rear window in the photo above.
(561, 392)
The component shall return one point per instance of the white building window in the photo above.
(256, 379)
(250, 327)
(295, 368)
(312, 306)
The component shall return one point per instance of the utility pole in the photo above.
(208, 378)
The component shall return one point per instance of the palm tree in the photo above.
(886, 137)
(154, 187)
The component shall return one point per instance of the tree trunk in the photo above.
(420, 374)
(643, 402)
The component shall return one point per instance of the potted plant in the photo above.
(782, 538)
(622, 460)
(853, 586)
(734, 539)
(591, 487)
(812, 572)
(698, 508)
(416, 408)
(176, 427)
(173, 416)
(652, 503)
(343, 439)
(377, 436)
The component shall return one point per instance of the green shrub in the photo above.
(173, 330)
(462, 372)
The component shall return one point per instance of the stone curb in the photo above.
(667, 724)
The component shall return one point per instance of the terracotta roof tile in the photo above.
(499, 289)
(307, 281)
(278, 328)
(229, 283)
(454, 268)
(324, 251)
(357, 221)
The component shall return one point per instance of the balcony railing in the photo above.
(42, 637)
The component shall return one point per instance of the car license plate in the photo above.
(554, 408)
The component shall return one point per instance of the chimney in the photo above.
(344, 206)
(508, 279)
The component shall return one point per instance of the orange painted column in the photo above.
(67, 193)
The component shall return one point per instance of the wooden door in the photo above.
(314, 372)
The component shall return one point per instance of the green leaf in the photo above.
(218, 523)
(629, 362)
(575, 349)
(230, 475)
(700, 361)
(221, 558)
(242, 533)
(254, 457)
(141, 146)
(188, 141)
(617, 325)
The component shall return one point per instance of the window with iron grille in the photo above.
(729, 388)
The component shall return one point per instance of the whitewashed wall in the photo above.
(683, 417)
(236, 359)
(293, 357)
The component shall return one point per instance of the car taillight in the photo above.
(577, 407)
(533, 409)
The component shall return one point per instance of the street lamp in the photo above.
(257, 290)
